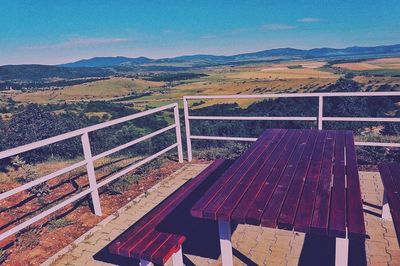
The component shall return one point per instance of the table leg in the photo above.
(177, 258)
(145, 263)
(342, 252)
(225, 242)
(385, 209)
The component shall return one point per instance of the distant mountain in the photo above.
(322, 52)
(208, 60)
(108, 62)
(36, 73)
(107, 66)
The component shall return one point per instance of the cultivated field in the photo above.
(249, 79)
(99, 90)
(257, 78)
(382, 63)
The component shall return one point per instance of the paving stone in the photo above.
(258, 257)
(275, 261)
(395, 257)
(293, 261)
(378, 261)
(376, 248)
(283, 242)
(263, 246)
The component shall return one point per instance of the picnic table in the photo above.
(294, 179)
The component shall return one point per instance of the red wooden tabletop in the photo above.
(300, 179)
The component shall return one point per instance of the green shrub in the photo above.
(28, 238)
(27, 174)
(3, 256)
(59, 223)
(118, 187)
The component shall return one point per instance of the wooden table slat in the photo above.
(241, 187)
(320, 219)
(163, 209)
(337, 218)
(256, 210)
(290, 204)
(239, 214)
(355, 215)
(167, 249)
(248, 165)
(273, 208)
(306, 206)
(296, 179)
(135, 245)
(202, 204)
(154, 246)
(389, 176)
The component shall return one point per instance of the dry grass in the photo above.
(382, 63)
(281, 73)
(249, 79)
(235, 87)
(99, 90)
(358, 66)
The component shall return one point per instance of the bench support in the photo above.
(342, 252)
(225, 242)
(385, 208)
(177, 258)
(145, 263)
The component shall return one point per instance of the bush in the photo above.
(27, 174)
(28, 238)
(118, 187)
(3, 256)
(59, 223)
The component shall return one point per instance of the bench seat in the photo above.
(390, 174)
(145, 241)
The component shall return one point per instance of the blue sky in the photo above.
(59, 31)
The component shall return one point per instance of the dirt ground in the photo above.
(34, 246)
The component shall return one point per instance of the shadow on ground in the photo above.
(320, 250)
(202, 239)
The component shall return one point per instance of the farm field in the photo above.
(255, 78)
(99, 90)
(296, 76)
(382, 63)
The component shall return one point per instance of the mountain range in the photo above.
(108, 66)
(271, 54)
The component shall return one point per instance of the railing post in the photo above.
(178, 133)
(187, 129)
(91, 174)
(320, 111)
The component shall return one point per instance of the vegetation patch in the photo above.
(168, 77)
(59, 223)
(3, 256)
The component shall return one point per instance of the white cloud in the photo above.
(208, 36)
(277, 27)
(241, 30)
(309, 20)
(79, 42)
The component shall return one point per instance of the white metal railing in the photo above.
(88, 161)
(319, 119)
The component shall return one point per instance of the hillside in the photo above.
(108, 66)
(272, 54)
(33, 73)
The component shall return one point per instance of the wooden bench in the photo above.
(146, 242)
(390, 174)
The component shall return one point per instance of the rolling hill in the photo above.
(107, 66)
(206, 60)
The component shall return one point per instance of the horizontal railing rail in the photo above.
(320, 118)
(89, 159)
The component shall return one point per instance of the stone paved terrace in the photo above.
(252, 245)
